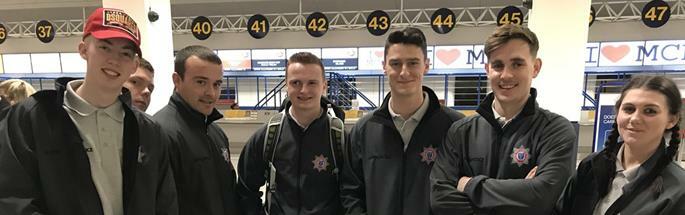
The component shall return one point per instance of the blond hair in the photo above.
(16, 90)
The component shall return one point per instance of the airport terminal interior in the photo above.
(255, 37)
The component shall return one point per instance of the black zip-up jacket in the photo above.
(200, 158)
(44, 168)
(4, 107)
(306, 183)
(665, 195)
(383, 178)
(498, 159)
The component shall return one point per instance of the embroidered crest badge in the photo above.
(429, 154)
(320, 163)
(520, 156)
(224, 152)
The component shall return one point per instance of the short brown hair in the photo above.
(146, 65)
(505, 33)
(409, 35)
(305, 58)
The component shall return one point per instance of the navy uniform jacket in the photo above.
(44, 168)
(664, 196)
(498, 159)
(382, 177)
(205, 178)
(305, 177)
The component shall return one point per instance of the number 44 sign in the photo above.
(442, 21)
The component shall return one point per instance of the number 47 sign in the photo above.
(656, 13)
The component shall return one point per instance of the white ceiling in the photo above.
(28, 10)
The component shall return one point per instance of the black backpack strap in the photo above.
(273, 132)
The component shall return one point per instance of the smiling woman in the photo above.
(637, 164)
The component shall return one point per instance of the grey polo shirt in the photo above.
(406, 127)
(623, 177)
(102, 133)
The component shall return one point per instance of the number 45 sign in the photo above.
(510, 14)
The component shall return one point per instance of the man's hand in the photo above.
(532, 172)
(462, 183)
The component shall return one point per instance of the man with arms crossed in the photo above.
(513, 157)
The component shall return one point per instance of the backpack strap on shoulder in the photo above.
(273, 132)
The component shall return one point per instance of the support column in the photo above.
(156, 43)
(562, 29)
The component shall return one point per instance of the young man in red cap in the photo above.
(82, 149)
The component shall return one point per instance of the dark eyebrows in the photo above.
(130, 47)
(200, 78)
(518, 59)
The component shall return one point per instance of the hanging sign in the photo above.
(442, 21)
(258, 26)
(656, 13)
(317, 24)
(45, 31)
(202, 28)
(593, 15)
(378, 22)
(3, 33)
(510, 14)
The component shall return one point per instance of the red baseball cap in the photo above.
(106, 23)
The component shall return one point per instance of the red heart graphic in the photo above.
(244, 64)
(378, 53)
(615, 53)
(448, 56)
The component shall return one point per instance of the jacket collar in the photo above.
(433, 104)
(192, 115)
(485, 108)
(61, 88)
(648, 166)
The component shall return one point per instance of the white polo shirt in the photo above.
(102, 131)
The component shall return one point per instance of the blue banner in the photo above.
(603, 123)
(268, 65)
(340, 64)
